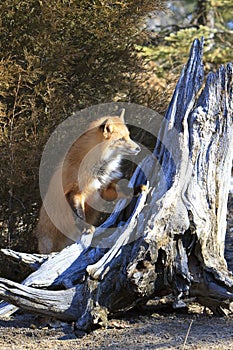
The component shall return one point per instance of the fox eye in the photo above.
(122, 139)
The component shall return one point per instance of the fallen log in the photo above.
(31, 261)
(173, 240)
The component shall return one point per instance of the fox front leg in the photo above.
(118, 190)
(78, 205)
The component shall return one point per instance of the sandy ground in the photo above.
(148, 329)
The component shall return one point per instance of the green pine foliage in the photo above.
(171, 51)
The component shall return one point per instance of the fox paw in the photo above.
(139, 189)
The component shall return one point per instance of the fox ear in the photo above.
(107, 128)
(122, 115)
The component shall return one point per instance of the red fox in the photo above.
(91, 168)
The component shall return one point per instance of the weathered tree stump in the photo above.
(173, 240)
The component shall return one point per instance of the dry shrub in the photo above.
(58, 56)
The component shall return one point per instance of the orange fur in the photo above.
(90, 168)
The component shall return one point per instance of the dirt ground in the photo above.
(144, 329)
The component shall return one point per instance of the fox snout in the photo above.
(132, 148)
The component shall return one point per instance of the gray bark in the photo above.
(173, 240)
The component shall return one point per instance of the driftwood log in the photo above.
(173, 240)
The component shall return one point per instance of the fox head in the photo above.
(97, 154)
(116, 136)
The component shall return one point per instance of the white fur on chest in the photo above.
(105, 172)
